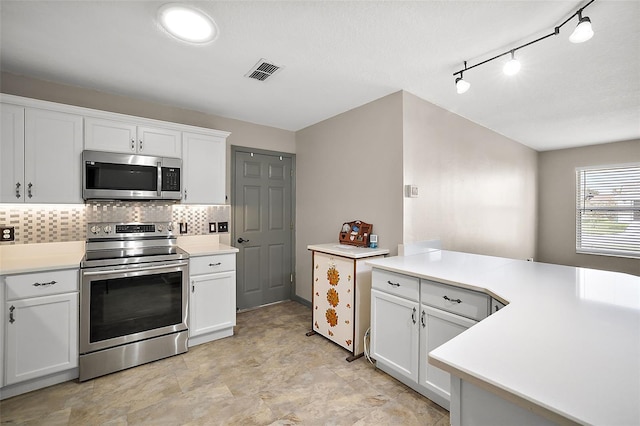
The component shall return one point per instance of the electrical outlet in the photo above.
(212, 227)
(7, 233)
(183, 227)
(223, 226)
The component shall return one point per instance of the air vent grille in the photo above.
(262, 70)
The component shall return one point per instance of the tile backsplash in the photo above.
(67, 222)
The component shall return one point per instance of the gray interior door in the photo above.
(263, 227)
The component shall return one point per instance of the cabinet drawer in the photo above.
(398, 284)
(41, 284)
(460, 301)
(212, 263)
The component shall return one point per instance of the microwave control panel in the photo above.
(170, 179)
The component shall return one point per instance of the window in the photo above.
(608, 210)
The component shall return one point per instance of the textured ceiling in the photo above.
(339, 55)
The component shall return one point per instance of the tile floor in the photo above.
(268, 373)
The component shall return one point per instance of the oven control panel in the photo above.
(124, 230)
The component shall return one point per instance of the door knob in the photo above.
(242, 240)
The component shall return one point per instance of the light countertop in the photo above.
(344, 250)
(568, 343)
(23, 258)
(203, 245)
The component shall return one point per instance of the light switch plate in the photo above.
(183, 227)
(223, 226)
(411, 191)
(212, 227)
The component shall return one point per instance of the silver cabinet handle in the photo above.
(185, 194)
(29, 190)
(17, 189)
(215, 264)
(452, 300)
(11, 318)
(393, 284)
(193, 286)
(413, 315)
(422, 319)
(133, 145)
(140, 145)
(159, 178)
(44, 284)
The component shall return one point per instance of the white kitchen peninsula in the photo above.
(566, 349)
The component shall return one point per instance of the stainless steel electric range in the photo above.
(133, 297)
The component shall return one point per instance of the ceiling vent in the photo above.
(262, 70)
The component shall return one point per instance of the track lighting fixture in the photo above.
(582, 33)
(462, 85)
(513, 66)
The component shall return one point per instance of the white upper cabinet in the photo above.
(203, 165)
(125, 137)
(40, 156)
(12, 154)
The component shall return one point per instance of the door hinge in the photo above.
(291, 277)
(291, 172)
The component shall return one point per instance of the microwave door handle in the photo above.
(159, 178)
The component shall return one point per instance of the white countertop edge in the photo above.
(345, 250)
(206, 249)
(377, 263)
(510, 395)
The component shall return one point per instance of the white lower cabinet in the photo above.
(43, 337)
(410, 318)
(41, 330)
(212, 298)
(438, 327)
(394, 335)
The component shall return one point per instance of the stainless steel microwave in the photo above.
(113, 176)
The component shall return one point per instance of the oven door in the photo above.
(123, 304)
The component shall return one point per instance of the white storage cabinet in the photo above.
(41, 329)
(410, 318)
(394, 324)
(131, 138)
(212, 297)
(203, 165)
(40, 154)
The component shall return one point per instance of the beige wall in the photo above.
(242, 132)
(349, 167)
(557, 208)
(477, 189)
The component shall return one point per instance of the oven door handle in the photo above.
(146, 268)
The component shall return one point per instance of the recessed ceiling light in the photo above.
(187, 24)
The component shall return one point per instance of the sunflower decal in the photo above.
(333, 275)
(332, 317)
(332, 297)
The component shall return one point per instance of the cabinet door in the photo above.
(12, 154)
(333, 305)
(53, 149)
(160, 142)
(109, 135)
(438, 327)
(394, 333)
(212, 303)
(43, 337)
(203, 165)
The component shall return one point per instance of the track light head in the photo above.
(583, 31)
(462, 85)
(513, 66)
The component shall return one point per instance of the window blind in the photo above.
(608, 210)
